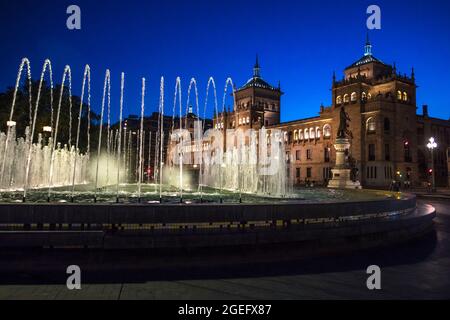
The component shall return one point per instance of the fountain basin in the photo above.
(196, 225)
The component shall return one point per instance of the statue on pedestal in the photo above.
(343, 131)
(342, 175)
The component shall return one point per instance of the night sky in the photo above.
(299, 43)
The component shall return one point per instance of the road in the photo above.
(416, 270)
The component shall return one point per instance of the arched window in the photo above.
(306, 134)
(369, 96)
(248, 120)
(353, 96)
(312, 134)
(295, 135)
(339, 100)
(317, 133)
(301, 134)
(327, 130)
(371, 125)
(387, 124)
(405, 96)
(346, 98)
(399, 95)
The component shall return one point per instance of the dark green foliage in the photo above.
(22, 114)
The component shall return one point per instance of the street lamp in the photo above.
(431, 145)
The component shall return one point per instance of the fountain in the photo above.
(251, 166)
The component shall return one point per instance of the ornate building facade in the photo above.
(388, 138)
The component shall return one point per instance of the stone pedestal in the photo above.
(341, 172)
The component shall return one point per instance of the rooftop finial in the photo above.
(368, 46)
(256, 68)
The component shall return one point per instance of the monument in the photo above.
(342, 172)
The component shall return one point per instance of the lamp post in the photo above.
(431, 145)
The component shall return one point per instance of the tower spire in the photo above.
(368, 46)
(256, 68)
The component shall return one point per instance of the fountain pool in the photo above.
(128, 193)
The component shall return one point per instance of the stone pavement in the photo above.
(417, 270)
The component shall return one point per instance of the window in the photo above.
(312, 134)
(387, 124)
(371, 156)
(371, 125)
(387, 152)
(297, 155)
(388, 173)
(363, 95)
(301, 134)
(371, 172)
(399, 95)
(327, 131)
(317, 132)
(353, 96)
(369, 96)
(308, 172)
(346, 98)
(326, 173)
(405, 96)
(295, 135)
(306, 134)
(309, 154)
(240, 121)
(297, 173)
(326, 153)
(339, 100)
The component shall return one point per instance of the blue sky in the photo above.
(299, 43)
